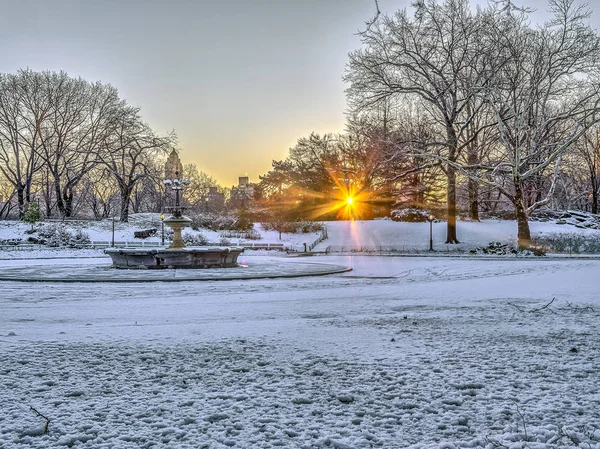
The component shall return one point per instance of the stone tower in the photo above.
(173, 165)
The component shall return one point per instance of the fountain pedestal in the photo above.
(177, 223)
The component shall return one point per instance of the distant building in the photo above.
(173, 166)
(242, 194)
(214, 201)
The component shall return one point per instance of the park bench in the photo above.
(144, 234)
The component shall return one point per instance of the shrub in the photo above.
(309, 226)
(410, 215)
(47, 231)
(292, 227)
(503, 249)
(55, 236)
(79, 239)
(243, 222)
(195, 239)
(572, 242)
(251, 234)
(214, 222)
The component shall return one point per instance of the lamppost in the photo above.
(112, 240)
(176, 221)
(176, 185)
(430, 219)
(162, 228)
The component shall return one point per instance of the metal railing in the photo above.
(102, 244)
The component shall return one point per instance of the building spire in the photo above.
(173, 166)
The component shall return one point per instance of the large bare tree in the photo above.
(24, 106)
(429, 58)
(128, 152)
(81, 116)
(544, 94)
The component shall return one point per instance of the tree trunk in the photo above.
(451, 199)
(68, 202)
(48, 208)
(472, 159)
(594, 184)
(125, 198)
(523, 232)
(420, 192)
(473, 200)
(21, 201)
(59, 200)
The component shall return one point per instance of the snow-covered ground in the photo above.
(400, 352)
(372, 235)
(101, 231)
(343, 236)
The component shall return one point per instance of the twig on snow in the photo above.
(539, 309)
(522, 417)
(570, 306)
(42, 416)
(544, 307)
(519, 308)
(496, 444)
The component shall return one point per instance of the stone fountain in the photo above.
(177, 255)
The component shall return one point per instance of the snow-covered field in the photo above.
(354, 235)
(400, 352)
(101, 231)
(343, 236)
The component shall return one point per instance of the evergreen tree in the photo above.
(32, 214)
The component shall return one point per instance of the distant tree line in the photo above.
(476, 110)
(77, 149)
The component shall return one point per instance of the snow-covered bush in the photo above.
(56, 235)
(251, 234)
(47, 230)
(503, 249)
(292, 227)
(410, 215)
(248, 235)
(569, 242)
(214, 222)
(309, 226)
(79, 239)
(195, 239)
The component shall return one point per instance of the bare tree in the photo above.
(100, 192)
(544, 95)
(587, 158)
(128, 152)
(430, 58)
(23, 109)
(7, 193)
(200, 182)
(81, 115)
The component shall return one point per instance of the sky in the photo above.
(238, 80)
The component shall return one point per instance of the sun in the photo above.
(349, 201)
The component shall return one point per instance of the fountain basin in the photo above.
(187, 257)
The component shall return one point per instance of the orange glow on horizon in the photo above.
(347, 200)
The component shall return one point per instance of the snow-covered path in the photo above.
(398, 352)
